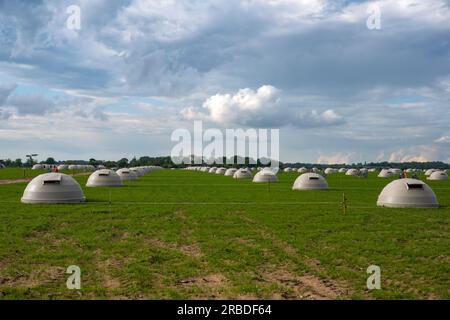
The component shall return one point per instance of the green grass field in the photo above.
(182, 235)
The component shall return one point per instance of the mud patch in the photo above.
(210, 286)
(307, 286)
(191, 250)
(209, 280)
(104, 269)
(246, 297)
(312, 262)
(37, 277)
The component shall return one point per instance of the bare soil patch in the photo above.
(12, 181)
(211, 286)
(191, 250)
(41, 275)
(306, 286)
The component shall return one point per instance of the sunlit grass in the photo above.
(158, 237)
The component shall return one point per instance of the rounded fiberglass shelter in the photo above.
(242, 174)
(438, 175)
(230, 172)
(407, 193)
(352, 172)
(53, 188)
(104, 178)
(220, 171)
(310, 181)
(126, 174)
(385, 173)
(265, 175)
(139, 172)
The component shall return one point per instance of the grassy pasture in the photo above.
(180, 234)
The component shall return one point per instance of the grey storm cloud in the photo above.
(4, 114)
(32, 104)
(81, 107)
(5, 92)
(99, 114)
(96, 113)
(142, 47)
(350, 85)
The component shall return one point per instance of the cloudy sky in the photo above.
(138, 69)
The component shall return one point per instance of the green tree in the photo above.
(122, 163)
(134, 162)
(18, 163)
(110, 164)
(144, 161)
(50, 160)
(29, 162)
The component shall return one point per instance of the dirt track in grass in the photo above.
(12, 181)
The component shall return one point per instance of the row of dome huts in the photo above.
(62, 167)
(62, 188)
(384, 173)
(56, 187)
(432, 174)
(401, 193)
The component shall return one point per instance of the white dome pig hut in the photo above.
(310, 181)
(53, 188)
(126, 174)
(407, 193)
(104, 178)
(242, 174)
(265, 175)
(438, 175)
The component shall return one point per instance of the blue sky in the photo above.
(137, 70)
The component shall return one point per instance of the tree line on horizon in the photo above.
(166, 162)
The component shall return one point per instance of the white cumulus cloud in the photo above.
(422, 153)
(229, 108)
(335, 158)
(443, 139)
(261, 107)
